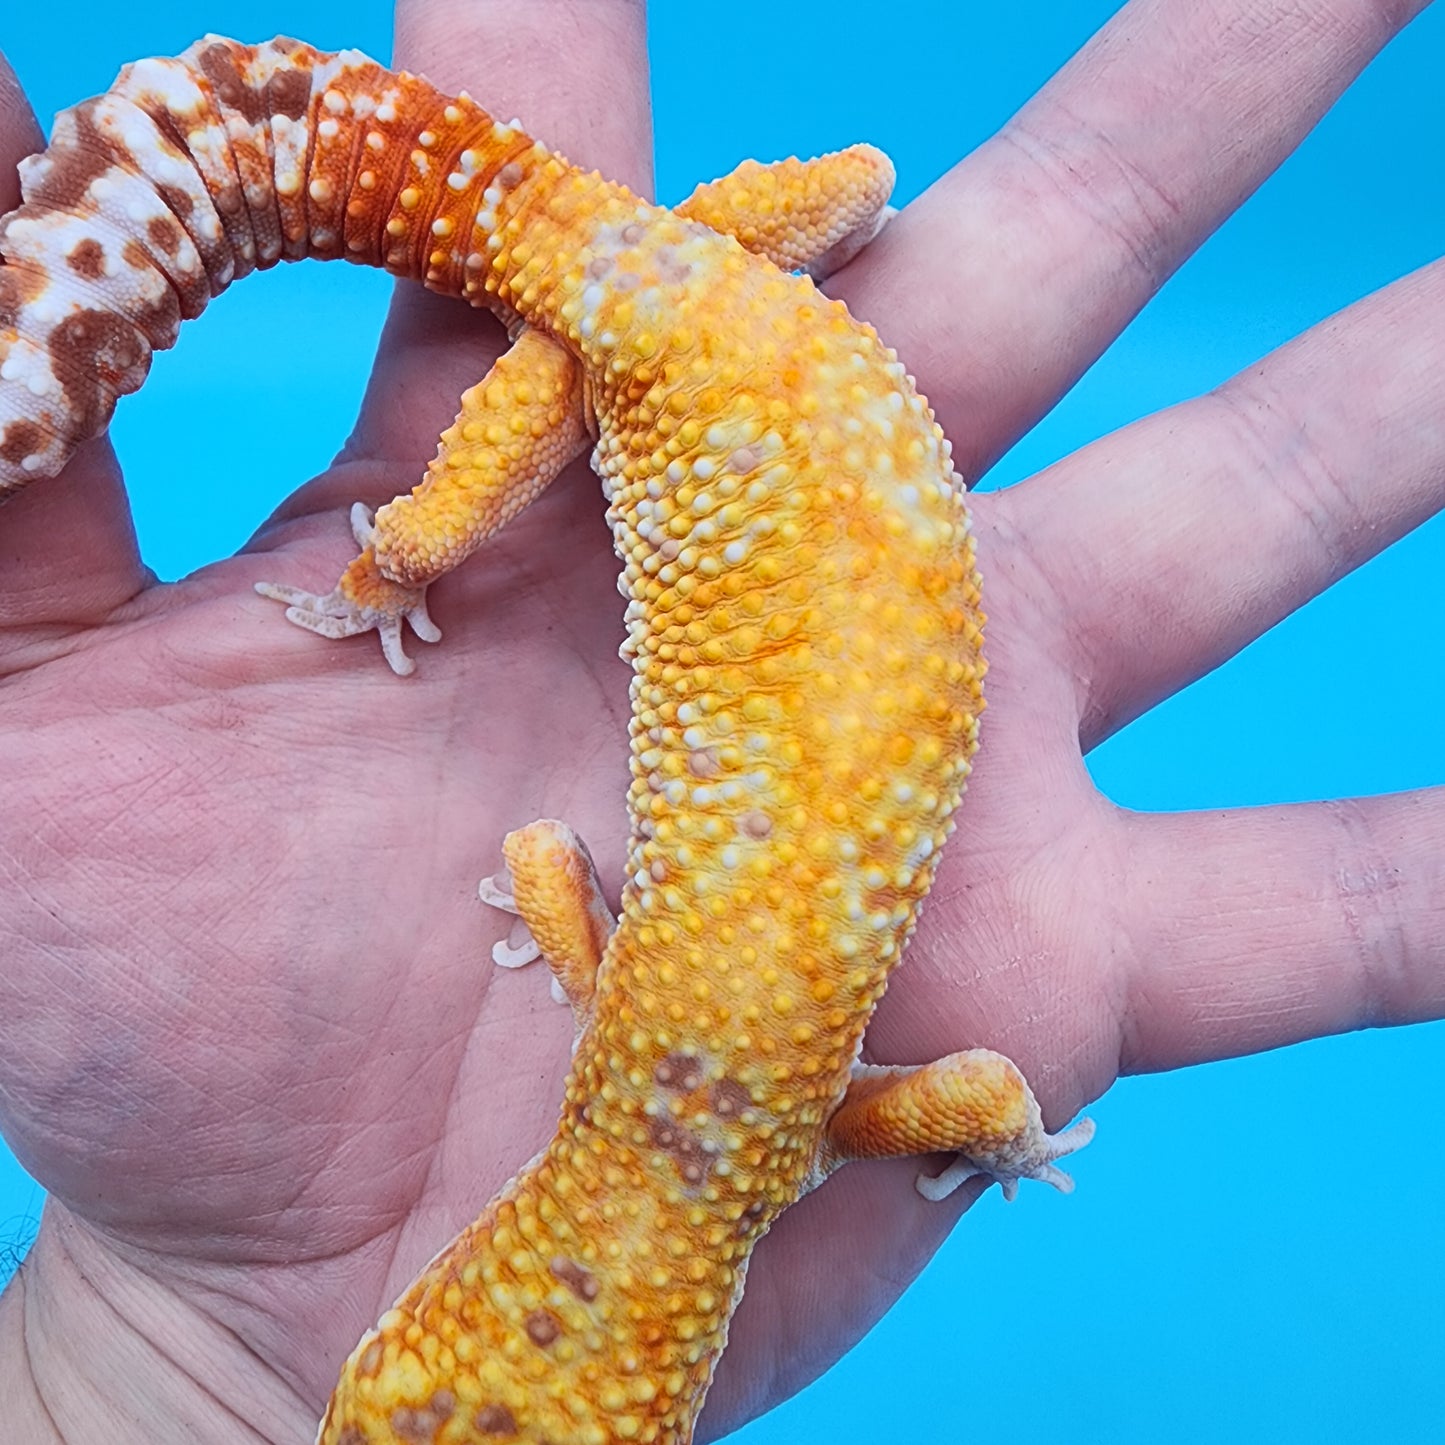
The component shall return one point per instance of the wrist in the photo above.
(23, 1415)
(93, 1348)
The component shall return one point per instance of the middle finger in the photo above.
(491, 49)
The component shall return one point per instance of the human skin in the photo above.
(249, 1036)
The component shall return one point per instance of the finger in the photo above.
(1181, 538)
(488, 48)
(1003, 282)
(1269, 926)
(68, 553)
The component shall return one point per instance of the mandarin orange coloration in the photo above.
(804, 627)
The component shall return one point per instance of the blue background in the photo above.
(1256, 1249)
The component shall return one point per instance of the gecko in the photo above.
(804, 625)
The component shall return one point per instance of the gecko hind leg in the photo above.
(528, 417)
(975, 1105)
(551, 885)
(516, 430)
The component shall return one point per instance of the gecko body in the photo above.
(803, 622)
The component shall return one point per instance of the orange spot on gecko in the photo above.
(92, 352)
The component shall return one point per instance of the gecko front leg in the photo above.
(551, 886)
(976, 1105)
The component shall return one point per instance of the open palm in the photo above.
(250, 1038)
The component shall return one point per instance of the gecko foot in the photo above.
(974, 1105)
(550, 883)
(364, 600)
(519, 948)
(1038, 1166)
(841, 252)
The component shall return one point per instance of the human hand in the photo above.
(252, 856)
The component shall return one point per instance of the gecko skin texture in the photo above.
(803, 622)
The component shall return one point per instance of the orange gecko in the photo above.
(806, 640)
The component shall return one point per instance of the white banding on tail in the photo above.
(150, 199)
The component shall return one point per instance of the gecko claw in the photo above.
(363, 524)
